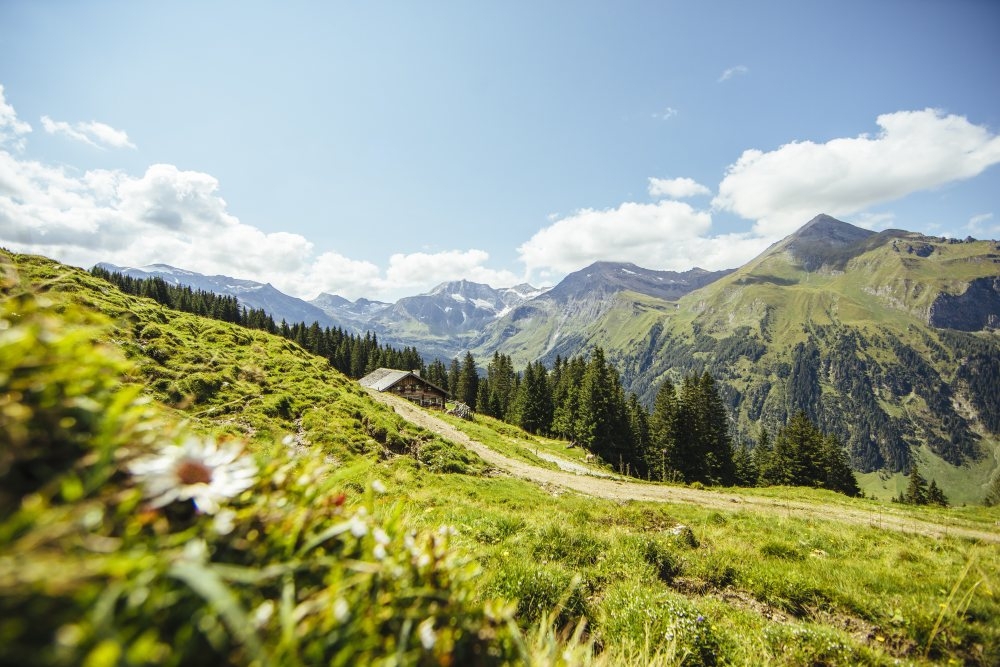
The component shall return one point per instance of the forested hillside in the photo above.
(858, 330)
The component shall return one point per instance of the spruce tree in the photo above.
(839, 476)
(745, 467)
(437, 374)
(468, 381)
(483, 403)
(662, 431)
(534, 400)
(501, 377)
(638, 420)
(602, 421)
(715, 441)
(798, 449)
(454, 371)
(916, 489)
(769, 472)
(687, 457)
(935, 496)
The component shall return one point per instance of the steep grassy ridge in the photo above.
(849, 343)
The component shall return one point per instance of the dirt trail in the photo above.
(616, 489)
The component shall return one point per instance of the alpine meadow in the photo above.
(480, 334)
(182, 489)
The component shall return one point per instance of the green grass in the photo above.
(503, 567)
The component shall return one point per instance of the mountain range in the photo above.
(887, 339)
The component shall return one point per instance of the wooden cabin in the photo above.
(408, 385)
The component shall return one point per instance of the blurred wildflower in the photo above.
(378, 486)
(427, 635)
(358, 526)
(381, 540)
(195, 551)
(199, 470)
(263, 614)
(224, 522)
(341, 610)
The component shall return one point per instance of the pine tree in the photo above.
(437, 374)
(638, 420)
(745, 466)
(916, 489)
(798, 449)
(837, 467)
(662, 432)
(935, 496)
(468, 381)
(769, 472)
(454, 371)
(715, 441)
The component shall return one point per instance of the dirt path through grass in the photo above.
(614, 489)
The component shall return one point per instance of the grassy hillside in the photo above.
(850, 338)
(364, 539)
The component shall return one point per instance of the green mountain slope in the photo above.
(852, 328)
(609, 304)
(367, 540)
(887, 340)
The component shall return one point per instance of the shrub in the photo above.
(636, 614)
(574, 547)
(496, 529)
(443, 456)
(657, 552)
(811, 645)
(538, 590)
(278, 405)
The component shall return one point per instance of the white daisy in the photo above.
(198, 470)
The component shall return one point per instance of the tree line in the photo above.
(686, 438)
(351, 354)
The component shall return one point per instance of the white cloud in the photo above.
(92, 133)
(873, 221)
(733, 71)
(677, 188)
(666, 114)
(647, 234)
(177, 217)
(983, 225)
(12, 130)
(171, 216)
(915, 150)
(421, 270)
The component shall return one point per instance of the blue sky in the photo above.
(378, 148)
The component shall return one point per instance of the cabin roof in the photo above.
(382, 379)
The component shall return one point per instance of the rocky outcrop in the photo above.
(976, 309)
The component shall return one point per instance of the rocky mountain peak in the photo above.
(827, 229)
(824, 240)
